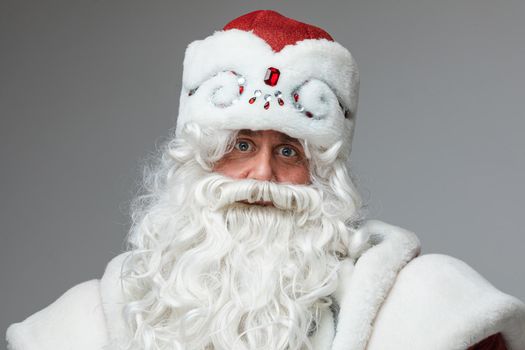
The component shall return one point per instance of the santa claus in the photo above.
(250, 235)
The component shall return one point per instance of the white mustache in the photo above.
(224, 191)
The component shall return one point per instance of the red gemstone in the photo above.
(281, 102)
(309, 114)
(267, 105)
(272, 76)
(296, 97)
(241, 89)
(251, 100)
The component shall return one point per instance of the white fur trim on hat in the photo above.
(323, 73)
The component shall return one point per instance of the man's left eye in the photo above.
(287, 151)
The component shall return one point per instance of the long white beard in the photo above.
(209, 272)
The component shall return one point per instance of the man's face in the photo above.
(266, 155)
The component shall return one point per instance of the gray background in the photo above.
(89, 88)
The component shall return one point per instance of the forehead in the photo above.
(273, 134)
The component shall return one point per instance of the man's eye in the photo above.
(287, 151)
(243, 146)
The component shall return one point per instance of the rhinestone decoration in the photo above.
(267, 98)
(298, 106)
(272, 76)
(279, 94)
(256, 94)
(241, 81)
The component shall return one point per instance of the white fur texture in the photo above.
(436, 303)
(74, 321)
(112, 296)
(361, 295)
(323, 73)
(451, 306)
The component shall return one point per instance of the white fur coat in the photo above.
(388, 299)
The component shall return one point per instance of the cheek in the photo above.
(228, 168)
(298, 175)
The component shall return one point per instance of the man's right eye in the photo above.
(243, 146)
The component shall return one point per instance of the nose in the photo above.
(261, 167)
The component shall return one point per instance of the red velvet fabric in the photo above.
(276, 29)
(494, 342)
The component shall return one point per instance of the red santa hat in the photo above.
(267, 71)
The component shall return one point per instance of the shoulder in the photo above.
(112, 294)
(83, 316)
(439, 302)
(76, 316)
